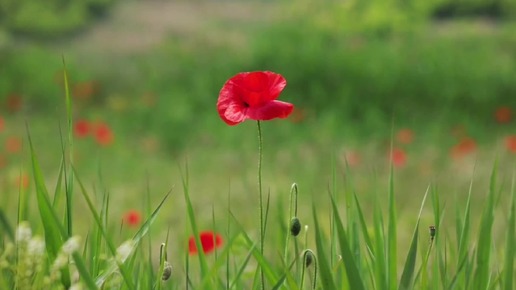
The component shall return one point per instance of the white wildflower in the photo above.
(60, 261)
(76, 286)
(124, 250)
(36, 247)
(23, 232)
(72, 245)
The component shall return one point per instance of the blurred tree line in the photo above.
(49, 18)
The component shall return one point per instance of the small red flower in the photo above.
(13, 144)
(82, 128)
(252, 95)
(510, 143)
(209, 241)
(398, 157)
(132, 218)
(103, 134)
(405, 136)
(503, 115)
(463, 148)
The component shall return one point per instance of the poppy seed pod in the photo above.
(295, 226)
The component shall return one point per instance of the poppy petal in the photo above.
(271, 110)
(235, 114)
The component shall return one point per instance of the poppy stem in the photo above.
(260, 154)
(293, 192)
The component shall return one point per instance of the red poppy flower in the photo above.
(405, 136)
(398, 157)
(103, 134)
(503, 115)
(209, 241)
(463, 148)
(510, 143)
(82, 128)
(13, 144)
(252, 95)
(132, 218)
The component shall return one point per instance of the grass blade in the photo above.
(510, 243)
(392, 264)
(324, 266)
(354, 278)
(482, 272)
(6, 225)
(410, 262)
(191, 217)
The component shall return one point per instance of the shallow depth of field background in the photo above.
(436, 79)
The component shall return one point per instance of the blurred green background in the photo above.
(358, 72)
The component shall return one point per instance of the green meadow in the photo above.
(395, 170)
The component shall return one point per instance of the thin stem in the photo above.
(260, 154)
(293, 190)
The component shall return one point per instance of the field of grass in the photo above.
(397, 128)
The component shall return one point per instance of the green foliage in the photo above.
(50, 19)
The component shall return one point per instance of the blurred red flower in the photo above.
(405, 136)
(503, 115)
(352, 158)
(209, 241)
(252, 95)
(132, 218)
(82, 128)
(398, 157)
(13, 144)
(22, 181)
(85, 90)
(464, 147)
(103, 134)
(510, 143)
(14, 103)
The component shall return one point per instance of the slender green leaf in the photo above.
(410, 262)
(6, 225)
(324, 266)
(482, 272)
(83, 271)
(191, 217)
(392, 254)
(354, 278)
(123, 270)
(510, 242)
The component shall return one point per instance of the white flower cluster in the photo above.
(25, 259)
(124, 250)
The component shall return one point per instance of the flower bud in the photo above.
(295, 226)
(309, 258)
(167, 271)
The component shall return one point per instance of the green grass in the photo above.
(367, 223)
(375, 250)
